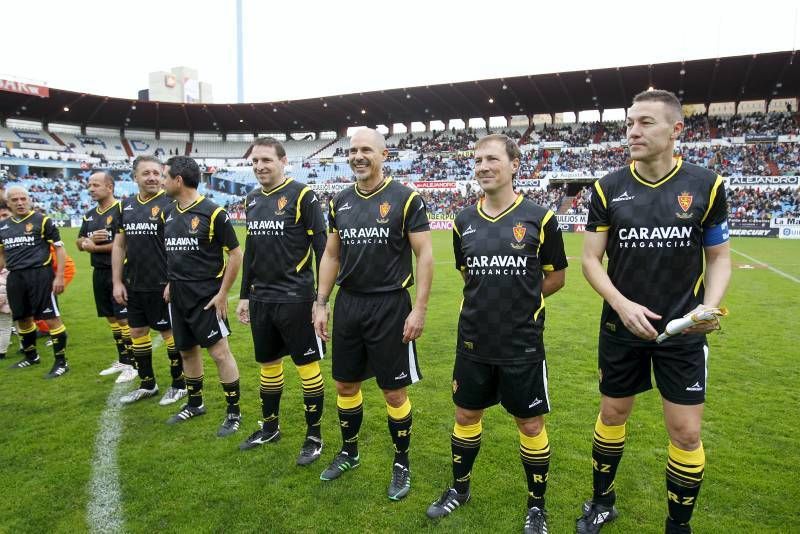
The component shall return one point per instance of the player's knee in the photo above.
(53, 323)
(347, 389)
(616, 412)
(686, 437)
(531, 427)
(395, 397)
(466, 417)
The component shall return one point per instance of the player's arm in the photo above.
(226, 236)
(243, 308)
(52, 236)
(552, 256)
(458, 254)
(117, 265)
(83, 242)
(61, 259)
(634, 316)
(328, 269)
(314, 224)
(423, 251)
(2, 257)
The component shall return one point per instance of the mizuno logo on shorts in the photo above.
(401, 376)
(695, 387)
(212, 334)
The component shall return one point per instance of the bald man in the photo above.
(373, 228)
(25, 240)
(96, 238)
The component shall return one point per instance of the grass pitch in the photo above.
(183, 478)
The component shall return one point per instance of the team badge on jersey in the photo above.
(109, 220)
(29, 228)
(281, 204)
(685, 202)
(519, 235)
(384, 210)
(154, 213)
(195, 223)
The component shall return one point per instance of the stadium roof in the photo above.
(728, 79)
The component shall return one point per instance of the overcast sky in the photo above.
(298, 49)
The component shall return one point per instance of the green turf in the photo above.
(185, 479)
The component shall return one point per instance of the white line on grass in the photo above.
(104, 511)
(768, 266)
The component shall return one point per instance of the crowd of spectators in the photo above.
(763, 204)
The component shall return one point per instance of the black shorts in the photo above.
(521, 388)
(103, 286)
(680, 370)
(148, 309)
(30, 294)
(191, 324)
(281, 328)
(368, 339)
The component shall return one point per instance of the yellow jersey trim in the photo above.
(190, 206)
(44, 221)
(408, 205)
(600, 192)
(502, 214)
(211, 223)
(602, 229)
(381, 188)
(714, 190)
(545, 219)
(305, 190)
(140, 201)
(22, 219)
(408, 279)
(661, 181)
(303, 261)
(97, 209)
(277, 187)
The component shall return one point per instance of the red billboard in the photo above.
(24, 88)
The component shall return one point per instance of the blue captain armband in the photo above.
(716, 235)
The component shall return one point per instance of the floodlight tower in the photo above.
(239, 54)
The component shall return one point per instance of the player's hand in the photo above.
(243, 311)
(166, 294)
(100, 236)
(58, 285)
(413, 326)
(702, 327)
(120, 294)
(220, 305)
(636, 318)
(319, 316)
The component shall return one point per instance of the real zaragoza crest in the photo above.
(384, 211)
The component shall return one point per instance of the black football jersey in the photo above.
(97, 219)
(142, 222)
(375, 252)
(655, 240)
(26, 241)
(503, 259)
(196, 238)
(280, 227)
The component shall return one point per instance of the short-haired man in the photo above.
(511, 255)
(663, 225)
(284, 225)
(198, 234)
(373, 228)
(25, 240)
(139, 269)
(96, 237)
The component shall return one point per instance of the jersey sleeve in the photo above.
(415, 216)
(597, 220)
(551, 250)
(50, 233)
(84, 230)
(331, 218)
(715, 220)
(311, 213)
(224, 232)
(457, 252)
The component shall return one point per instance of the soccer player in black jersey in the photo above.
(25, 240)
(284, 224)
(511, 256)
(663, 225)
(373, 228)
(96, 236)
(197, 235)
(139, 268)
